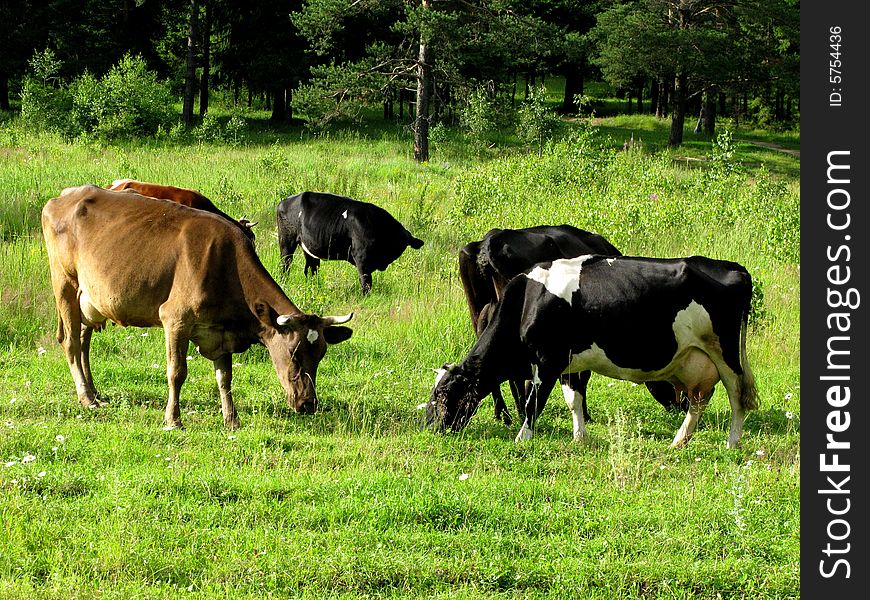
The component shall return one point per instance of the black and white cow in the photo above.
(640, 319)
(331, 227)
(486, 267)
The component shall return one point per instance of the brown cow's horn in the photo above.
(337, 320)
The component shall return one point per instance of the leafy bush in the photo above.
(477, 117)
(134, 102)
(44, 103)
(537, 122)
(128, 101)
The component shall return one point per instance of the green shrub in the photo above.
(135, 103)
(126, 102)
(537, 122)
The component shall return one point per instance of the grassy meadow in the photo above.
(356, 500)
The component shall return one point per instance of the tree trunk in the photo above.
(190, 74)
(710, 113)
(664, 98)
(640, 98)
(206, 60)
(4, 92)
(424, 76)
(654, 97)
(678, 108)
(279, 106)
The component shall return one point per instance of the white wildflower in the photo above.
(28, 458)
(788, 396)
(464, 476)
(11, 463)
(41, 474)
(759, 452)
(40, 351)
(59, 439)
(789, 415)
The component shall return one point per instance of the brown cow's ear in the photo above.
(336, 334)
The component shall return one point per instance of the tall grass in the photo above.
(356, 500)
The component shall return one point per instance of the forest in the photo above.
(425, 62)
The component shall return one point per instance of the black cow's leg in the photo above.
(287, 242)
(501, 410)
(518, 392)
(538, 390)
(365, 281)
(311, 264)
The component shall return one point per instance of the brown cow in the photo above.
(184, 196)
(187, 271)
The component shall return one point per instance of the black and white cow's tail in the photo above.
(748, 393)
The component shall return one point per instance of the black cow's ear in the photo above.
(336, 334)
(415, 243)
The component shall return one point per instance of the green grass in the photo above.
(356, 500)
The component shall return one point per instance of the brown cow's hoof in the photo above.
(172, 426)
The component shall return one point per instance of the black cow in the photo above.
(486, 267)
(330, 227)
(641, 319)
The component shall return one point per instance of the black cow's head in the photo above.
(454, 399)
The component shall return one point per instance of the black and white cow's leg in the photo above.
(574, 391)
(537, 392)
(697, 405)
(731, 382)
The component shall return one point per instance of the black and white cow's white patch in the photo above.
(681, 321)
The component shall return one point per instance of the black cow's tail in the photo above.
(748, 392)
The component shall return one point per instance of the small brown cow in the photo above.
(184, 196)
(144, 262)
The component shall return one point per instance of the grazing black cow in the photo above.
(641, 319)
(486, 267)
(330, 227)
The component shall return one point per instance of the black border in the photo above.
(826, 128)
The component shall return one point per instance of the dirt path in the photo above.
(796, 153)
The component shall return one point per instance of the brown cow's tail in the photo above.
(748, 392)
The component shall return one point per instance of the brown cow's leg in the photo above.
(87, 333)
(69, 335)
(223, 370)
(176, 372)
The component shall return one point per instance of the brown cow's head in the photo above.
(454, 399)
(298, 344)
